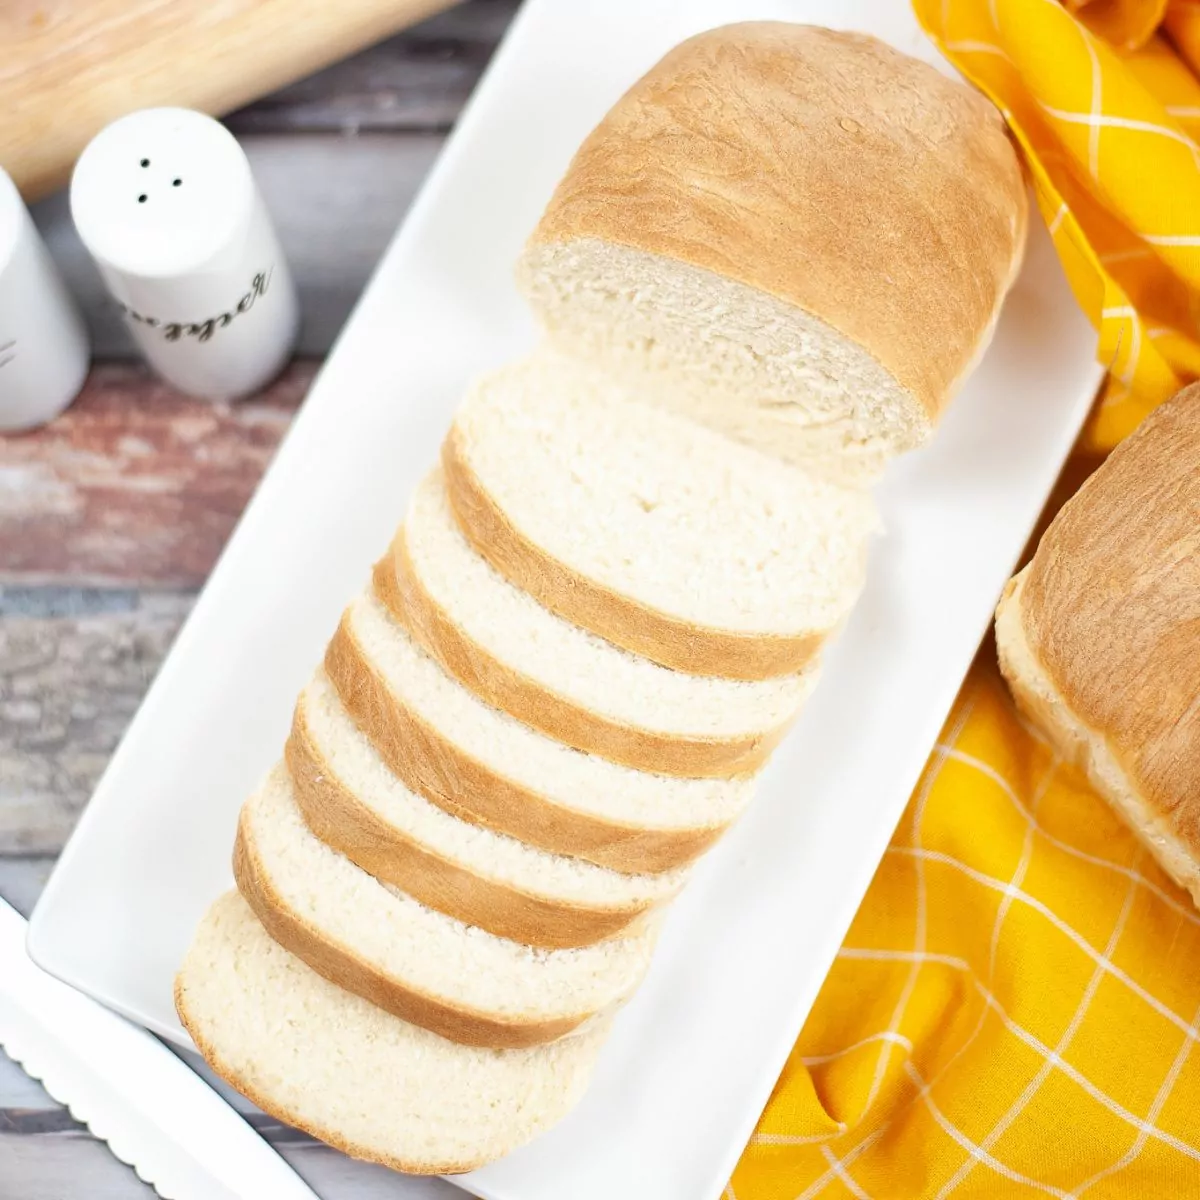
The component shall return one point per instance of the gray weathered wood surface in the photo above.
(111, 518)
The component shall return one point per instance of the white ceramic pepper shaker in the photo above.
(43, 341)
(165, 202)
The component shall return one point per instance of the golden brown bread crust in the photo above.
(341, 820)
(346, 970)
(814, 165)
(1110, 608)
(628, 623)
(397, 585)
(1038, 698)
(445, 774)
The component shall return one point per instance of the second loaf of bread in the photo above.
(1099, 636)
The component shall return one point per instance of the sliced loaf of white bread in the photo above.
(649, 530)
(569, 683)
(327, 1061)
(798, 236)
(473, 776)
(454, 979)
(482, 765)
(354, 803)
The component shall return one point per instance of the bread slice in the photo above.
(1098, 635)
(798, 236)
(423, 966)
(649, 530)
(482, 765)
(352, 802)
(366, 1082)
(569, 683)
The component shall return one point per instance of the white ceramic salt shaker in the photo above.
(165, 202)
(43, 341)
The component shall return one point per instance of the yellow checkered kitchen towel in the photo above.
(1016, 1009)
(1105, 108)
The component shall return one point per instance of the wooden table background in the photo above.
(112, 517)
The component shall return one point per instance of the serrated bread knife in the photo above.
(156, 1114)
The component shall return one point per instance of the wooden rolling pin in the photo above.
(68, 67)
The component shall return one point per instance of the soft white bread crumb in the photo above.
(733, 358)
(464, 755)
(643, 526)
(356, 804)
(454, 979)
(341, 1069)
(568, 682)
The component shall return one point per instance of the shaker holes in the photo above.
(145, 162)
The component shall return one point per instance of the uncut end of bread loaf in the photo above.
(454, 979)
(571, 684)
(803, 235)
(649, 530)
(1046, 706)
(354, 803)
(480, 764)
(358, 1078)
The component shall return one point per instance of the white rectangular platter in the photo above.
(693, 1057)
